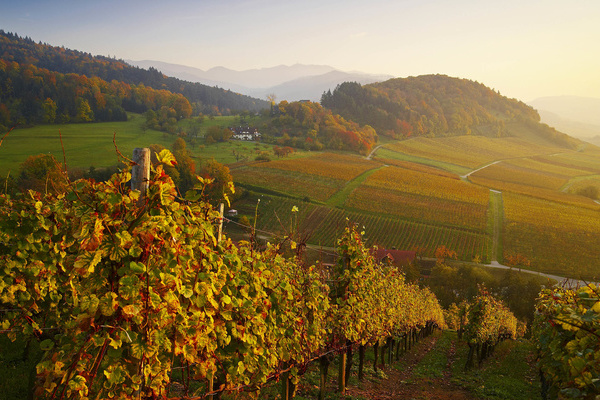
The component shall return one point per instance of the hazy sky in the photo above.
(524, 48)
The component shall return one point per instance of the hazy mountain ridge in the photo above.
(577, 116)
(312, 87)
(291, 83)
(576, 108)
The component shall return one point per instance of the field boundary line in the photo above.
(339, 198)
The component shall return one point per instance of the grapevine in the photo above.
(567, 331)
(123, 291)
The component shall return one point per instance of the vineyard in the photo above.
(423, 197)
(391, 157)
(536, 192)
(561, 238)
(470, 151)
(417, 206)
(122, 291)
(511, 172)
(586, 159)
(567, 328)
(548, 165)
(483, 322)
(328, 165)
(134, 295)
(316, 177)
(581, 184)
(293, 183)
(322, 224)
(118, 283)
(417, 167)
(410, 205)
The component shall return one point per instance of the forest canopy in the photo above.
(434, 105)
(307, 125)
(34, 72)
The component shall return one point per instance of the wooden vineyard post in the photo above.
(211, 385)
(349, 356)
(140, 172)
(285, 386)
(323, 367)
(221, 210)
(342, 373)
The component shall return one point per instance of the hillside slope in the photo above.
(25, 51)
(438, 105)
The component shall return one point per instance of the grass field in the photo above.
(85, 144)
(92, 144)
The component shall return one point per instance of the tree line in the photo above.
(32, 95)
(203, 98)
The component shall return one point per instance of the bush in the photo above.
(588, 191)
(263, 156)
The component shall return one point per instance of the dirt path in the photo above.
(479, 169)
(372, 153)
(401, 385)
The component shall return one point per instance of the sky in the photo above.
(525, 49)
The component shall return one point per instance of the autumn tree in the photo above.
(182, 107)
(221, 186)
(218, 134)
(185, 165)
(84, 112)
(442, 253)
(49, 107)
(517, 261)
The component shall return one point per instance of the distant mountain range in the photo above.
(291, 83)
(576, 116)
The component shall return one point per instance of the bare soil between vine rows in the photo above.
(400, 384)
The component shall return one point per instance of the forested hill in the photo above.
(25, 51)
(436, 105)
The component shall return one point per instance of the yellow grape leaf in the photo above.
(166, 157)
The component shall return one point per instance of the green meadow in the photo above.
(92, 144)
(85, 145)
